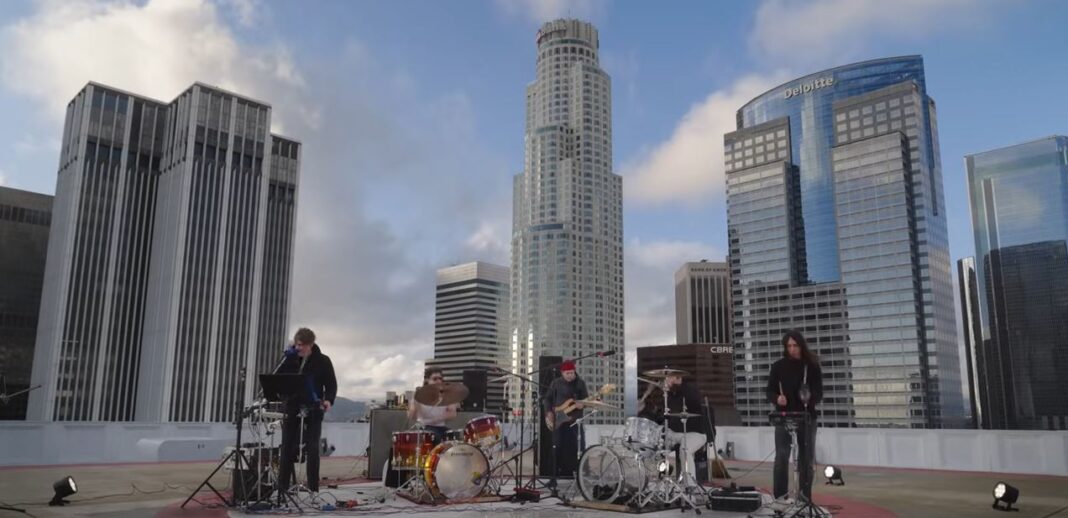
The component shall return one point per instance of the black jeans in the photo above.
(806, 442)
(313, 429)
(566, 439)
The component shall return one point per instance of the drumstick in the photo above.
(780, 389)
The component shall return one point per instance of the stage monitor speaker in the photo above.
(475, 381)
(546, 375)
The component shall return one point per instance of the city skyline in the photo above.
(358, 233)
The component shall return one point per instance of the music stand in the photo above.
(280, 387)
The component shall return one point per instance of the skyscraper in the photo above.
(837, 228)
(703, 303)
(158, 264)
(1019, 201)
(567, 225)
(25, 218)
(471, 324)
(968, 284)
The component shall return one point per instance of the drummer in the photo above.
(682, 396)
(432, 417)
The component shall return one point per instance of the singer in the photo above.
(795, 384)
(305, 358)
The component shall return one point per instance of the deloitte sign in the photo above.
(810, 86)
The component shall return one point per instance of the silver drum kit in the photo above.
(638, 470)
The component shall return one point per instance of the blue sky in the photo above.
(412, 119)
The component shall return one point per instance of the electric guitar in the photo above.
(564, 410)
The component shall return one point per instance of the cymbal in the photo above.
(663, 373)
(682, 415)
(598, 405)
(441, 394)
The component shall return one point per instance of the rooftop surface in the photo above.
(157, 489)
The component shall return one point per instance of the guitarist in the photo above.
(563, 392)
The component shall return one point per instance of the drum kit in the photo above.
(457, 468)
(638, 470)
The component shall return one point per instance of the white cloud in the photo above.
(688, 167)
(650, 287)
(541, 11)
(813, 31)
(374, 222)
(3, 178)
(490, 241)
(156, 49)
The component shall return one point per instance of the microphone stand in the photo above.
(518, 457)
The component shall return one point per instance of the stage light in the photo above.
(63, 487)
(834, 475)
(663, 467)
(1005, 493)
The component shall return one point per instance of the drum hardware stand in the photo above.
(800, 505)
(683, 488)
(237, 456)
(569, 495)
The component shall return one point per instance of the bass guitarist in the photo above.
(565, 391)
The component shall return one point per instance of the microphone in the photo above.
(606, 353)
(289, 352)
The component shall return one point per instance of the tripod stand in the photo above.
(237, 456)
(801, 505)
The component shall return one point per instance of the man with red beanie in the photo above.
(565, 437)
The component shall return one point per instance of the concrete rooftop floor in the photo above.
(156, 489)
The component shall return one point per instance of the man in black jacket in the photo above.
(682, 396)
(795, 384)
(306, 359)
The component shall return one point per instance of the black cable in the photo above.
(23, 511)
(1058, 511)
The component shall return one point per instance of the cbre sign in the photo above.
(810, 86)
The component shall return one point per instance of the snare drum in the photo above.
(456, 435)
(456, 470)
(483, 431)
(411, 448)
(641, 432)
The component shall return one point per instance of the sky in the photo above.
(412, 113)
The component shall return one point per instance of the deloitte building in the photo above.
(837, 228)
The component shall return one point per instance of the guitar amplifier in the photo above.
(735, 501)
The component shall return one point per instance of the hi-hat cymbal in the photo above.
(441, 394)
(663, 373)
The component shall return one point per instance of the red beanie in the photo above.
(567, 366)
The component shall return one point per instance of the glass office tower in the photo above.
(836, 228)
(1019, 200)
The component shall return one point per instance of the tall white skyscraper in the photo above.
(169, 260)
(471, 325)
(567, 226)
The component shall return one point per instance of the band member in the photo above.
(432, 417)
(305, 358)
(568, 387)
(683, 396)
(795, 384)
